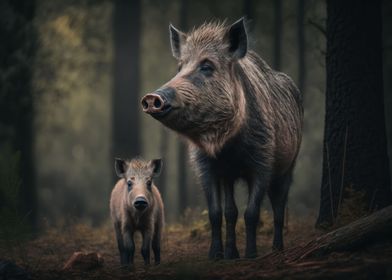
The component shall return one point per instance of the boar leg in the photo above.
(146, 244)
(129, 247)
(212, 192)
(278, 197)
(231, 214)
(120, 243)
(252, 216)
(156, 245)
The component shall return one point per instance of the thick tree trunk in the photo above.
(301, 44)
(162, 181)
(355, 153)
(127, 27)
(278, 34)
(17, 51)
(248, 9)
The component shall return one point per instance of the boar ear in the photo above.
(156, 165)
(238, 39)
(120, 166)
(176, 39)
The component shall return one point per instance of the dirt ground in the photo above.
(184, 255)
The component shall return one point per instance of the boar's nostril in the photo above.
(144, 104)
(152, 103)
(157, 103)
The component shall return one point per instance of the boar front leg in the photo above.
(156, 245)
(212, 191)
(252, 215)
(120, 243)
(231, 215)
(129, 246)
(125, 244)
(146, 244)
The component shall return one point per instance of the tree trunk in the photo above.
(18, 44)
(301, 44)
(182, 178)
(127, 27)
(162, 182)
(248, 9)
(355, 153)
(278, 34)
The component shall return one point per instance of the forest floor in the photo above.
(184, 255)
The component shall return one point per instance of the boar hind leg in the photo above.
(278, 196)
(212, 192)
(156, 246)
(252, 216)
(231, 214)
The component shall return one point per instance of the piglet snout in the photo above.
(140, 203)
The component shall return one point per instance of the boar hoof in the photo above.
(216, 253)
(231, 253)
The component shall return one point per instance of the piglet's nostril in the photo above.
(140, 203)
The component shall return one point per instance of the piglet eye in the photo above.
(129, 183)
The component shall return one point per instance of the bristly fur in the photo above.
(243, 121)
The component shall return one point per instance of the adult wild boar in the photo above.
(136, 205)
(243, 120)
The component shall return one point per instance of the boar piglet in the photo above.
(136, 205)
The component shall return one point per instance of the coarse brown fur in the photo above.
(126, 218)
(243, 120)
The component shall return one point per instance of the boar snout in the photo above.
(158, 103)
(140, 203)
(152, 103)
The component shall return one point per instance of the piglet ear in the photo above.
(177, 38)
(120, 166)
(238, 39)
(156, 165)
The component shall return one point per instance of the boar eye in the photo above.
(179, 67)
(206, 67)
(129, 183)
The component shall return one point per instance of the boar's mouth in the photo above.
(164, 111)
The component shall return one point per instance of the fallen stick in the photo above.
(376, 227)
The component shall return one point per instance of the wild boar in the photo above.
(136, 205)
(242, 120)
